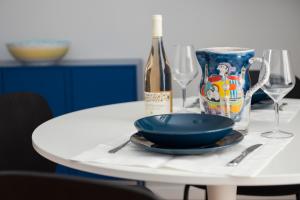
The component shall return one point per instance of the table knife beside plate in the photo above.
(240, 157)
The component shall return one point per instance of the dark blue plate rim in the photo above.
(188, 132)
(236, 138)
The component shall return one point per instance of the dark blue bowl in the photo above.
(184, 129)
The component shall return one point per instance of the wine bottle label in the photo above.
(158, 102)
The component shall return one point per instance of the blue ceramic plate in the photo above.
(184, 129)
(233, 138)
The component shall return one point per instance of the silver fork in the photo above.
(116, 149)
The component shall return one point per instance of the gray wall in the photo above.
(122, 29)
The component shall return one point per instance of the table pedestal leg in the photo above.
(221, 192)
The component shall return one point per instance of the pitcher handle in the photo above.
(266, 66)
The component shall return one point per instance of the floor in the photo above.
(175, 192)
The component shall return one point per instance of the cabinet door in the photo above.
(95, 86)
(46, 81)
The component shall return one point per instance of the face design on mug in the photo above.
(223, 69)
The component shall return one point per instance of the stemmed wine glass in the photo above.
(281, 82)
(185, 68)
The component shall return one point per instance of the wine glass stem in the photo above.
(276, 127)
(183, 96)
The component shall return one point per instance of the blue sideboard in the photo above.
(73, 85)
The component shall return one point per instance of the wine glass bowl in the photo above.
(279, 84)
(185, 69)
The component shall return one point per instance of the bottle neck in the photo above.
(157, 33)
(157, 42)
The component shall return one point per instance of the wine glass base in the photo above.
(277, 134)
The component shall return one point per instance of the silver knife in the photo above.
(246, 152)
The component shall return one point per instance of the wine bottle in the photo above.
(158, 81)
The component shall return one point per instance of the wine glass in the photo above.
(185, 68)
(280, 82)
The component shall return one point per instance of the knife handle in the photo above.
(237, 160)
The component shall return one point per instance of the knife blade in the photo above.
(240, 157)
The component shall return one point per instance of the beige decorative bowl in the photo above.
(38, 52)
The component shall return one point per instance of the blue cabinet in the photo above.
(48, 82)
(100, 86)
(74, 85)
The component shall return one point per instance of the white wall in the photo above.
(122, 29)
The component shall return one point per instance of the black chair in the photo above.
(278, 190)
(20, 114)
(46, 186)
(295, 93)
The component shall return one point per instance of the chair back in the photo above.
(20, 114)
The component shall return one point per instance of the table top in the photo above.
(63, 137)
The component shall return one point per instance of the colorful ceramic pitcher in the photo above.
(225, 87)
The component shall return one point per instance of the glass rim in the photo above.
(264, 50)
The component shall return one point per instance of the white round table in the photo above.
(63, 137)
